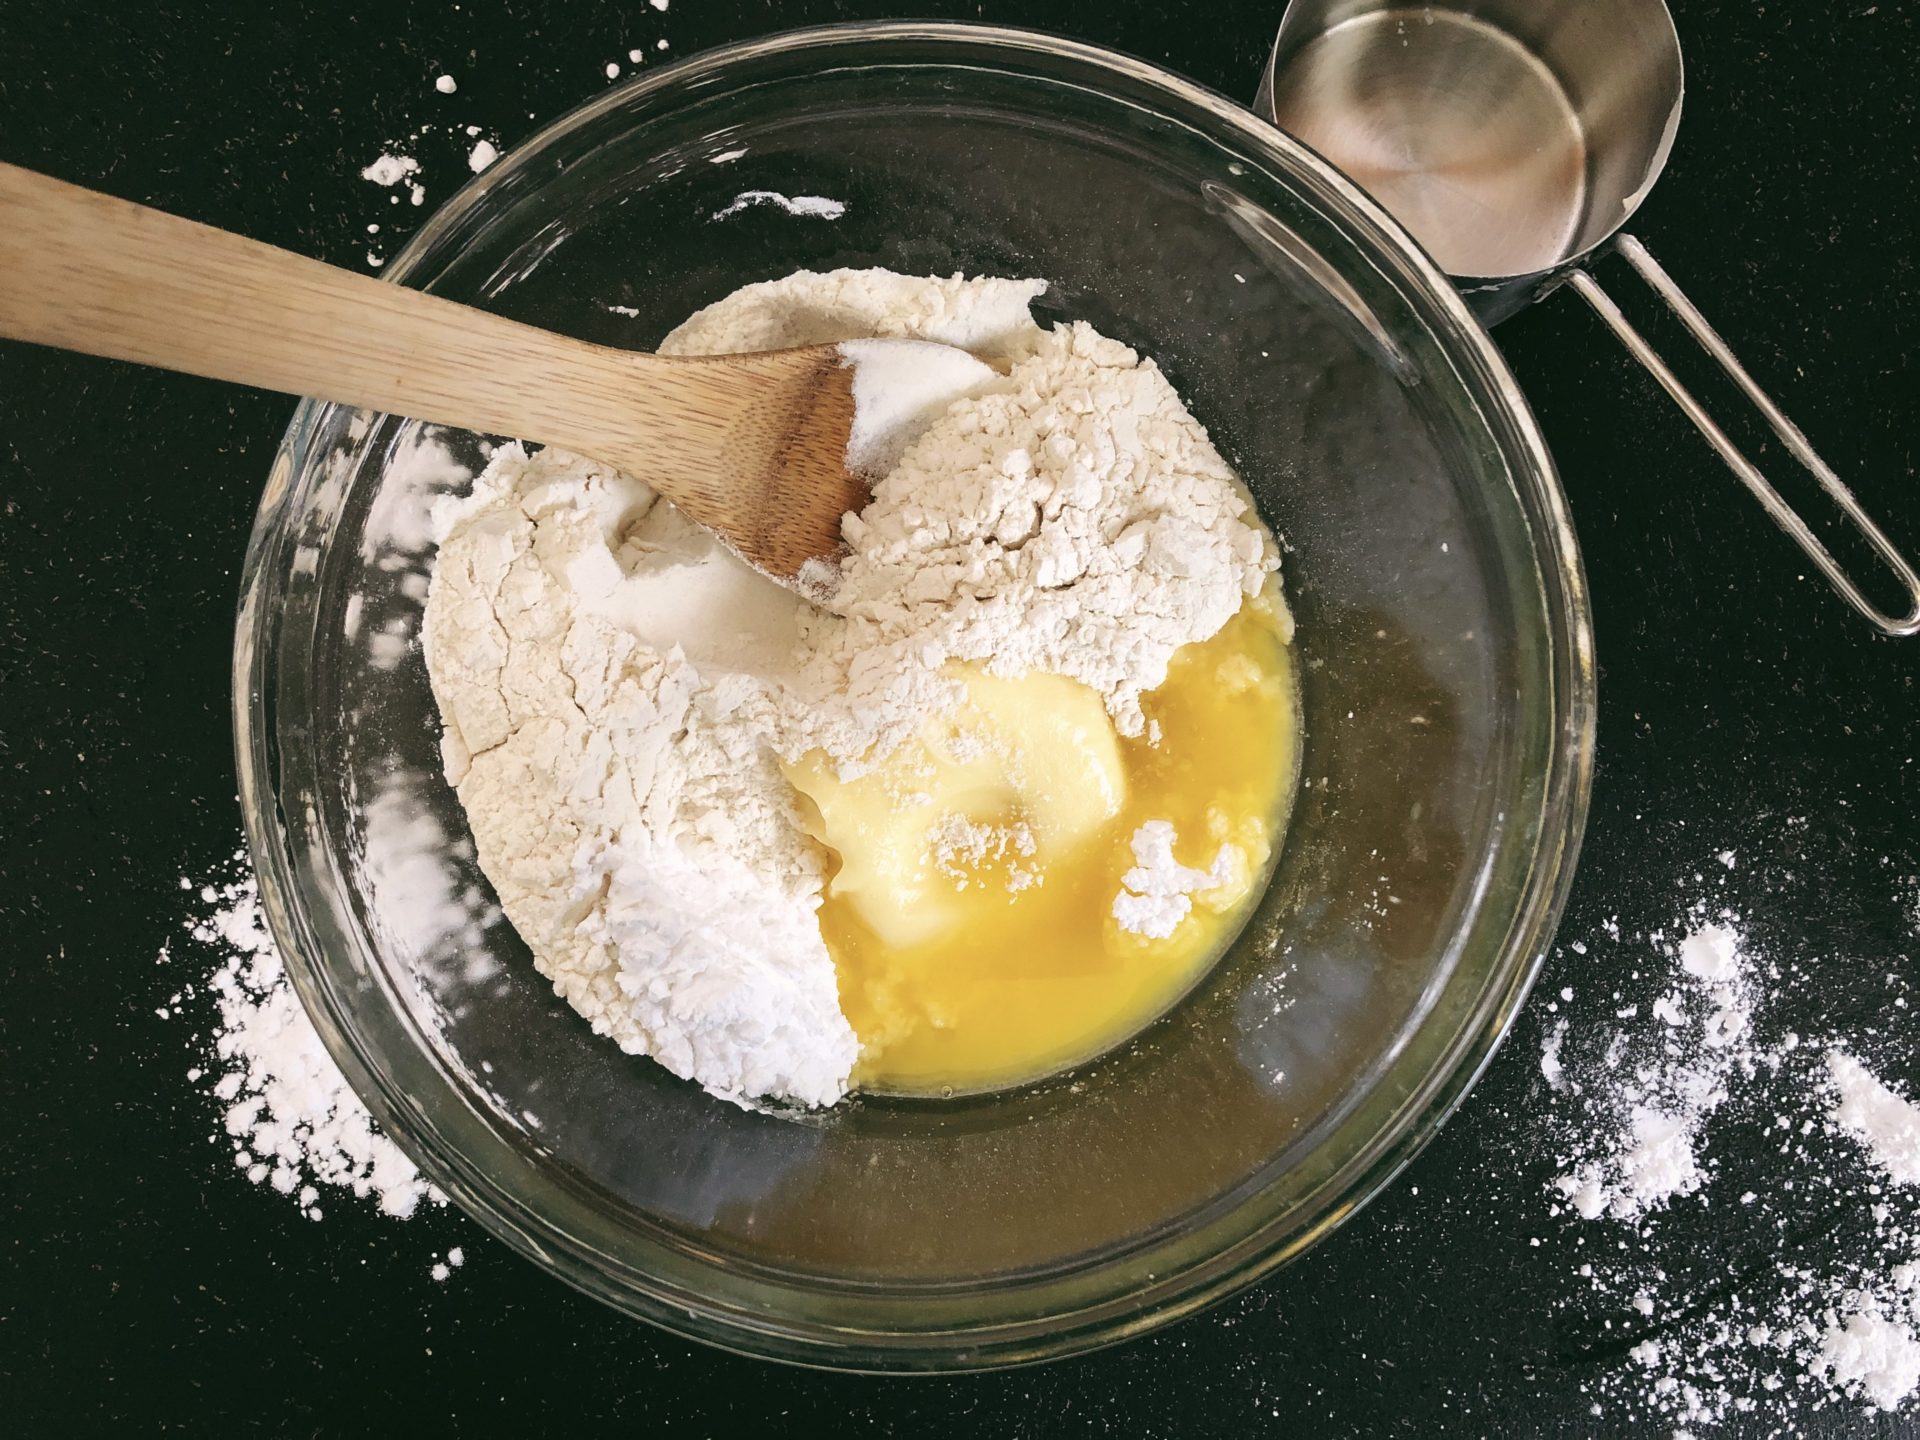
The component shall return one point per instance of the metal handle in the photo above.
(1784, 515)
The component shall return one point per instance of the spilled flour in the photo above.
(1668, 1082)
(1644, 1112)
(291, 1119)
(618, 691)
(1887, 1124)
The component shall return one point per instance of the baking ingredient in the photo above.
(1157, 893)
(483, 154)
(1870, 1355)
(817, 206)
(1005, 962)
(1655, 1111)
(390, 169)
(393, 169)
(619, 695)
(1886, 1124)
(1655, 1118)
(1037, 754)
(899, 388)
(291, 1118)
(1073, 518)
(625, 807)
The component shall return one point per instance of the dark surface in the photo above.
(1743, 708)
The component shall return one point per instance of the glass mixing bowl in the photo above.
(1447, 688)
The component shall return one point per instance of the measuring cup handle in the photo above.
(1784, 515)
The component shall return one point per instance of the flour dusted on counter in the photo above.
(1655, 1111)
(1870, 1355)
(293, 1121)
(617, 691)
(1670, 1083)
(1888, 1125)
(388, 169)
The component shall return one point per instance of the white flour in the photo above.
(818, 206)
(400, 170)
(962, 847)
(1157, 894)
(1886, 1124)
(391, 169)
(291, 1118)
(1637, 1108)
(615, 689)
(633, 822)
(1670, 1084)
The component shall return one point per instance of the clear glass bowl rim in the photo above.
(1036, 1334)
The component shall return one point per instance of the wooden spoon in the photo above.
(752, 446)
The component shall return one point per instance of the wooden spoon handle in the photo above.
(84, 271)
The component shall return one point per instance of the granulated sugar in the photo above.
(291, 1118)
(1651, 1112)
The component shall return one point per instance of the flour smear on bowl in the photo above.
(1037, 739)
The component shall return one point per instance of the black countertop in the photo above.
(1743, 708)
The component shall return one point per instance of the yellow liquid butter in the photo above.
(971, 916)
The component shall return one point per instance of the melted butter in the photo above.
(971, 917)
(1024, 773)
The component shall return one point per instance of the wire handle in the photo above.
(1784, 515)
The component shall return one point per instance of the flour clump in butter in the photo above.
(619, 693)
(1157, 893)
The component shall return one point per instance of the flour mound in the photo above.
(618, 691)
(624, 804)
(1070, 516)
(1876, 1116)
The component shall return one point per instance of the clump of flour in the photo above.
(624, 802)
(1888, 1125)
(293, 1121)
(1157, 893)
(616, 744)
(390, 170)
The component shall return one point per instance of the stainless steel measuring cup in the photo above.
(1513, 139)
